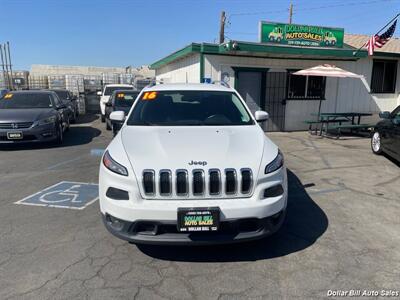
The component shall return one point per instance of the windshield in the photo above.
(63, 95)
(124, 99)
(189, 108)
(110, 89)
(25, 100)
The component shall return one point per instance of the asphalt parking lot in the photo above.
(341, 233)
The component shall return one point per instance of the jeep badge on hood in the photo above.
(201, 163)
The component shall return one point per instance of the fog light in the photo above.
(117, 194)
(274, 191)
(46, 134)
(115, 223)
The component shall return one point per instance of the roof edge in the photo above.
(191, 48)
(233, 47)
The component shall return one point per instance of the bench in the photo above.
(323, 121)
(310, 123)
(351, 127)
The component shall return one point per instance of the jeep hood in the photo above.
(149, 147)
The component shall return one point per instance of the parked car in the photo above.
(386, 137)
(120, 100)
(191, 165)
(105, 96)
(70, 101)
(32, 116)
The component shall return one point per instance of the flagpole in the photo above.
(355, 52)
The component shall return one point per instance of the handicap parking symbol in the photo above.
(65, 194)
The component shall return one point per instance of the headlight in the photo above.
(275, 164)
(113, 166)
(49, 120)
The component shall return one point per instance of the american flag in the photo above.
(380, 40)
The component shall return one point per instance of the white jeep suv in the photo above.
(106, 93)
(191, 165)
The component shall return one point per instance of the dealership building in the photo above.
(262, 72)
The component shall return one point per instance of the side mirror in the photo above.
(384, 115)
(117, 116)
(108, 104)
(99, 93)
(261, 116)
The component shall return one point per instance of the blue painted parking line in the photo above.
(65, 194)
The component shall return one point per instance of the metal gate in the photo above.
(275, 100)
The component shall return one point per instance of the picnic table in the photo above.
(338, 121)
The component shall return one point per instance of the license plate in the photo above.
(198, 219)
(15, 135)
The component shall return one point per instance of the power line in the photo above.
(310, 8)
(345, 4)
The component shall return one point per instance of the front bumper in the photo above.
(256, 209)
(44, 133)
(165, 232)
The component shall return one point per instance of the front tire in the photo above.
(108, 127)
(67, 126)
(376, 144)
(103, 118)
(60, 138)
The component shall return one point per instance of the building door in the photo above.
(275, 95)
(249, 87)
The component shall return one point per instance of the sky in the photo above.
(139, 32)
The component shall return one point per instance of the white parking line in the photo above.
(65, 162)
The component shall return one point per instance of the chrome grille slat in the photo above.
(182, 183)
(199, 183)
(16, 125)
(247, 181)
(230, 181)
(214, 177)
(165, 181)
(149, 184)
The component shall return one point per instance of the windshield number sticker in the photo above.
(120, 95)
(8, 96)
(149, 96)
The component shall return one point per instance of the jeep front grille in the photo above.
(197, 183)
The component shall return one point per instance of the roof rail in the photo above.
(223, 83)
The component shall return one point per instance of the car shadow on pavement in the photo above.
(87, 118)
(305, 223)
(79, 135)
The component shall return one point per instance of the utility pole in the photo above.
(290, 12)
(9, 61)
(5, 65)
(222, 28)
(2, 64)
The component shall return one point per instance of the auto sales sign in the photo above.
(301, 35)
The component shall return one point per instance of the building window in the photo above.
(384, 76)
(305, 87)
